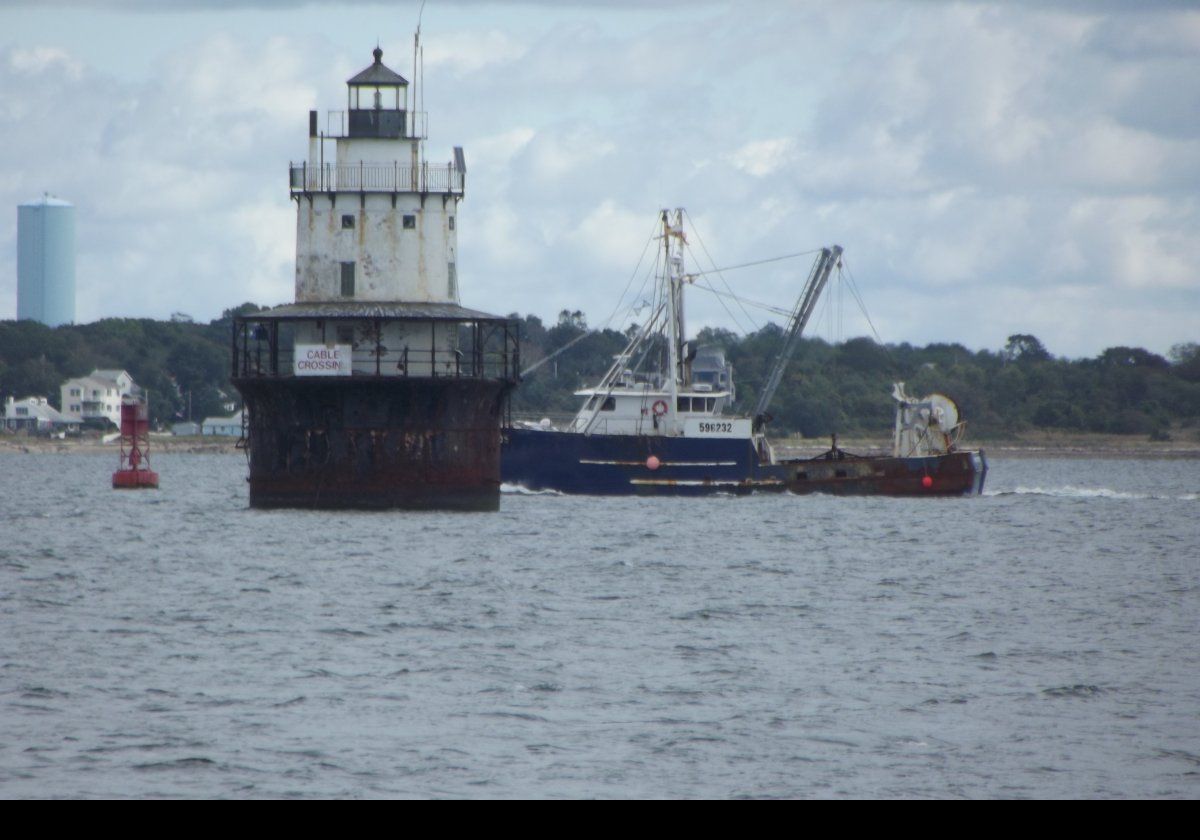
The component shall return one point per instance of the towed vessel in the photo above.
(657, 422)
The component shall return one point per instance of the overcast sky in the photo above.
(990, 167)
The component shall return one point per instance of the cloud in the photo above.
(40, 60)
(763, 157)
(463, 53)
(981, 162)
(168, 176)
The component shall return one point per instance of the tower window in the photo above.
(347, 222)
(450, 222)
(410, 222)
(347, 279)
(453, 274)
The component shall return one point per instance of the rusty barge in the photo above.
(376, 389)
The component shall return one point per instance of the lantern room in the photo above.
(377, 102)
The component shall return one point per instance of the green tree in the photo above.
(1025, 348)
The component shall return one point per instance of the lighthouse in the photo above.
(376, 388)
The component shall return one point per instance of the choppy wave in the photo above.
(518, 490)
(577, 647)
(1073, 492)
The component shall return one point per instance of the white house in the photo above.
(96, 398)
(228, 426)
(35, 414)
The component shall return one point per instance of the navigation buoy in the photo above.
(927, 482)
(652, 463)
(135, 471)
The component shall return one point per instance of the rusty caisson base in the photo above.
(372, 443)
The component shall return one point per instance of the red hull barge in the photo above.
(843, 474)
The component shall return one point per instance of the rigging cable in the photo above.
(767, 307)
(605, 324)
(759, 262)
(843, 268)
(849, 276)
(717, 271)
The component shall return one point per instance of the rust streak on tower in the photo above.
(376, 388)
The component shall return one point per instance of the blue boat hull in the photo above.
(621, 464)
(675, 466)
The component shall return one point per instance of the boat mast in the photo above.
(673, 274)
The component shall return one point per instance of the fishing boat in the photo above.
(650, 428)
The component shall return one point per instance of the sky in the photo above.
(990, 168)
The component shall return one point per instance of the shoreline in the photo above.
(168, 444)
(1036, 445)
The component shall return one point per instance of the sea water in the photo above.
(1039, 641)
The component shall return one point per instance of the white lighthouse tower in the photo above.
(378, 222)
(376, 388)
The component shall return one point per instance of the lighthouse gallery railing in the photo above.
(376, 177)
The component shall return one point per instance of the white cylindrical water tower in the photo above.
(46, 261)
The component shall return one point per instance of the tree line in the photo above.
(829, 387)
(846, 387)
(181, 363)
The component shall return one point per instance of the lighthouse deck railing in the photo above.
(485, 350)
(376, 177)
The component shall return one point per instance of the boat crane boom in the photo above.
(807, 302)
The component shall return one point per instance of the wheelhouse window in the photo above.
(695, 405)
(610, 403)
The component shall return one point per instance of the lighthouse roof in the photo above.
(378, 74)
(385, 310)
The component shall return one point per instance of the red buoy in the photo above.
(652, 463)
(927, 482)
(135, 471)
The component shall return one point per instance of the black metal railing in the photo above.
(478, 350)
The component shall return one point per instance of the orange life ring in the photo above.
(659, 408)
